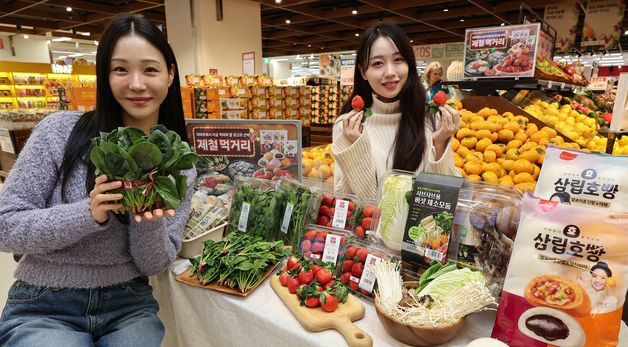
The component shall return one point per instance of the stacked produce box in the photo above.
(327, 109)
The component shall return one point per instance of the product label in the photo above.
(430, 219)
(286, 218)
(332, 245)
(244, 216)
(340, 215)
(367, 281)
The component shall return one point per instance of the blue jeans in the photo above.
(119, 315)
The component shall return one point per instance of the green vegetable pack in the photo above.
(149, 166)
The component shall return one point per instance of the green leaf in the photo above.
(117, 165)
(162, 141)
(146, 155)
(181, 181)
(168, 191)
(97, 157)
(186, 161)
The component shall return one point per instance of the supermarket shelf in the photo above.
(489, 86)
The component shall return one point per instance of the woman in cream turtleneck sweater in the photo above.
(399, 134)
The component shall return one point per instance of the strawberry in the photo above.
(316, 268)
(362, 253)
(352, 206)
(291, 261)
(366, 223)
(306, 276)
(327, 200)
(318, 247)
(351, 252)
(349, 214)
(330, 223)
(346, 266)
(354, 285)
(297, 265)
(312, 301)
(323, 211)
(322, 235)
(306, 245)
(308, 254)
(440, 98)
(359, 232)
(283, 278)
(329, 284)
(331, 213)
(328, 301)
(310, 234)
(344, 278)
(322, 220)
(357, 269)
(368, 211)
(343, 240)
(293, 283)
(323, 276)
(357, 103)
(319, 288)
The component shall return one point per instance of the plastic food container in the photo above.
(366, 219)
(484, 226)
(356, 269)
(333, 210)
(323, 244)
(193, 247)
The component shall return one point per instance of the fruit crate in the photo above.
(476, 103)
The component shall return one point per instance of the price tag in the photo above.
(287, 215)
(340, 214)
(332, 245)
(367, 281)
(244, 216)
(354, 279)
(562, 85)
(549, 84)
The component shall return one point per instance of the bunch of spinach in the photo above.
(256, 208)
(239, 261)
(297, 199)
(149, 166)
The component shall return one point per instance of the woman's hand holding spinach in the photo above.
(149, 167)
(100, 203)
(155, 215)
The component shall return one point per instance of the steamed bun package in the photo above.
(566, 281)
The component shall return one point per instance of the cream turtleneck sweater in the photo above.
(360, 165)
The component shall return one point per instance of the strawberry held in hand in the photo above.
(357, 103)
(440, 98)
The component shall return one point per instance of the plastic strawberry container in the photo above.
(356, 269)
(333, 210)
(323, 244)
(366, 219)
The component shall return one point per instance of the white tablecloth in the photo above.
(201, 317)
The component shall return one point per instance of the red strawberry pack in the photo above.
(334, 210)
(324, 244)
(356, 269)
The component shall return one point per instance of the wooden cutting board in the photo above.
(316, 319)
(187, 278)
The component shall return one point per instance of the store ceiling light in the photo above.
(96, 42)
(61, 39)
(309, 45)
(503, 24)
(69, 9)
(354, 11)
(446, 10)
(411, 41)
(626, 32)
(357, 34)
(277, 1)
(462, 20)
(26, 37)
(288, 21)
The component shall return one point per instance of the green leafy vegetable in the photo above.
(394, 209)
(264, 201)
(435, 270)
(444, 220)
(239, 261)
(149, 166)
(299, 197)
(449, 282)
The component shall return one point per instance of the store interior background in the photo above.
(201, 42)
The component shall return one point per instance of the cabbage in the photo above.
(394, 209)
(449, 282)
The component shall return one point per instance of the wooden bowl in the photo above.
(414, 335)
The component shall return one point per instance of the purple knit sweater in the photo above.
(64, 247)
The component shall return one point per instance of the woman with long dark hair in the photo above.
(399, 134)
(83, 278)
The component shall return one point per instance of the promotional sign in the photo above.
(439, 51)
(598, 83)
(248, 63)
(330, 65)
(603, 24)
(503, 51)
(347, 70)
(619, 122)
(250, 148)
(564, 18)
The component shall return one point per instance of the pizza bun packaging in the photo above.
(567, 277)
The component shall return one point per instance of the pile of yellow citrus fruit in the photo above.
(318, 162)
(598, 144)
(502, 148)
(573, 124)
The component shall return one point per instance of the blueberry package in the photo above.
(581, 178)
(566, 281)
